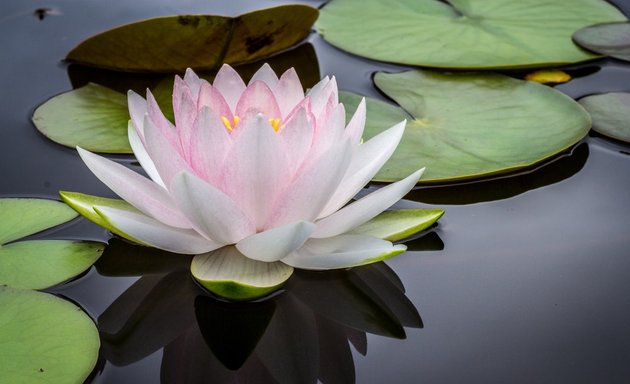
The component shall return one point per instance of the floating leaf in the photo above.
(398, 224)
(463, 33)
(174, 43)
(229, 274)
(463, 126)
(20, 217)
(38, 264)
(44, 339)
(92, 117)
(610, 113)
(610, 39)
(548, 76)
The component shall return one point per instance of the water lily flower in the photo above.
(261, 166)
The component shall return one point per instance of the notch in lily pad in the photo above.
(462, 33)
(38, 264)
(464, 126)
(174, 43)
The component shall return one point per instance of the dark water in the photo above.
(524, 280)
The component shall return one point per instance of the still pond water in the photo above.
(524, 280)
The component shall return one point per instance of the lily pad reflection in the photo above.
(303, 334)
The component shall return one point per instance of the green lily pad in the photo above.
(229, 274)
(20, 217)
(610, 113)
(174, 43)
(38, 264)
(464, 126)
(398, 224)
(44, 339)
(610, 39)
(92, 117)
(463, 33)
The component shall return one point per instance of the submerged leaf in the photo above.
(463, 126)
(463, 33)
(610, 39)
(174, 43)
(548, 76)
(44, 339)
(610, 113)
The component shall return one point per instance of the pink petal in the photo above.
(212, 213)
(194, 82)
(155, 233)
(137, 190)
(288, 91)
(210, 142)
(256, 168)
(309, 192)
(297, 136)
(321, 96)
(185, 109)
(159, 120)
(275, 243)
(266, 75)
(366, 208)
(329, 133)
(164, 153)
(230, 84)
(210, 97)
(258, 96)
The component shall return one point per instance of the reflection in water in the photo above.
(300, 335)
(556, 170)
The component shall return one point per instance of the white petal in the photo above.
(137, 109)
(366, 162)
(194, 82)
(156, 234)
(307, 195)
(354, 130)
(137, 190)
(342, 252)
(266, 75)
(288, 91)
(365, 208)
(276, 243)
(212, 213)
(297, 137)
(142, 156)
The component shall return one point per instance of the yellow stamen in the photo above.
(275, 123)
(230, 125)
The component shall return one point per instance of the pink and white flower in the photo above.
(261, 166)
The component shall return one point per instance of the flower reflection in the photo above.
(301, 335)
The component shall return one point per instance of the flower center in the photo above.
(230, 125)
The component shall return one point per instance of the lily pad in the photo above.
(610, 39)
(174, 43)
(44, 339)
(398, 224)
(93, 117)
(38, 264)
(465, 126)
(229, 274)
(610, 113)
(463, 33)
